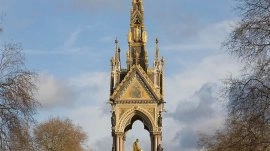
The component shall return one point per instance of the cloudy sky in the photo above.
(69, 44)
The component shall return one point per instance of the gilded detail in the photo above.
(136, 92)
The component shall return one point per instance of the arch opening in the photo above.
(134, 119)
(133, 115)
(137, 131)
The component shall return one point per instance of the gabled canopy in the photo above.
(136, 86)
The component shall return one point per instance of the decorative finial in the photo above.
(157, 55)
(117, 51)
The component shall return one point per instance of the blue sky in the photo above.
(69, 43)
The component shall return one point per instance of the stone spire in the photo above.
(116, 66)
(157, 51)
(117, 53)
(137, 37)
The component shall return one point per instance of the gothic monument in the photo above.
(136, 93)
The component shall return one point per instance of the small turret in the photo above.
(158, 69)
(157, 50)
(117, 54)
(116, 67)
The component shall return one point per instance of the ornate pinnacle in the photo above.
(116, 47)
(117, 51)
(157, 52)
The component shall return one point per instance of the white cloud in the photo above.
(94, 122)
(87, 94)
(53, 92)
(93, 88)
(207, 38)
(200, 113)
(104, 143)
(73, 37)
(211, 69)
(90, 88)
(87, 88)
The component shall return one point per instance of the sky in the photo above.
(69, 43)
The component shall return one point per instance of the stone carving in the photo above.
(136, 92)
(136, 33)
(160, 120)
(151, 111)
(160, 148)
(113, 119)
(121, 112)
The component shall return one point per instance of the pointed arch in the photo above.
(134, 114)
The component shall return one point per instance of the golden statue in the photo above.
(136, 34)
(144, 36)
(129, 37)
(136, 146)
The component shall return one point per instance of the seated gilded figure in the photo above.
(136, 146)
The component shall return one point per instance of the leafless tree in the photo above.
(59, 135)
(17, 104)
(250, 40)
(248, 124)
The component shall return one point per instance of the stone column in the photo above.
(117, 143)
(124, 141)
(120, 142)
(153, 142)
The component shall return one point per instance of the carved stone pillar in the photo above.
(117, 143)
(155, 140)
(120, 142)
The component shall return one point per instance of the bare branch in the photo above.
(248, 122)
(17, 102)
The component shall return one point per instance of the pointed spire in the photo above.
(116, 49)
(137, 13)
(157, 51)
(137, 36)
(116, 43)
(117, 54)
